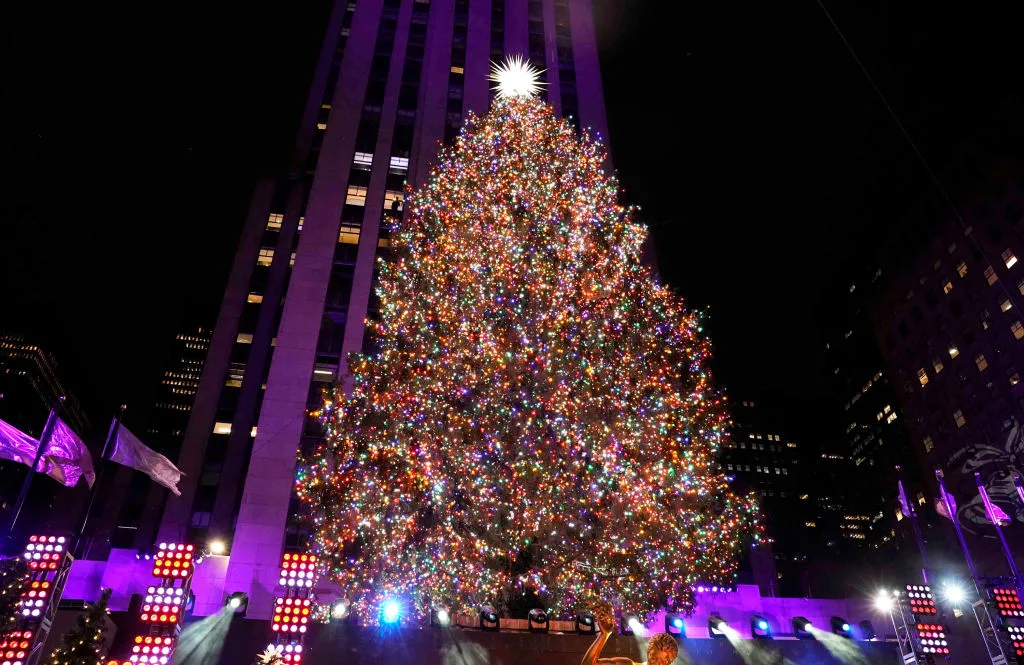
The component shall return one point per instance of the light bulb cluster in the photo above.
(163, 604)
(291, 615)
(14, 647)
(298, 570)
(932, 638)
(152, 649)
(289, 653)
(44, 552)
(1007, 602)
(173, 560)
(921, 600)
(1016, 635)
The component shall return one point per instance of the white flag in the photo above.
(129, 451)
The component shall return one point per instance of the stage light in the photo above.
(883, 601)
(297, 570)
(391, 611)
(537, 621)
(717, 626)
(921, 600)
(1007, 602)
(629, 624)
(586, 624)
(291, 615)
(239, 602)
(675, 625)
(802, 628)
(841, 627)
(218, 547)
(954, 593)
(340, 609)
(867, 631)
(440, 617)
(489, 618)
(760, 629)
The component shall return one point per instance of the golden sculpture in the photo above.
(661, 648)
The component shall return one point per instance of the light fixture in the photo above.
(760, 629)
(629, 624)
(489, 618)
(217, 547)
(717, 626)
(440, 617)
(883, 601)
(867, 631)
(341, 609)
(585, 623)
(841, 627)
(238, 602)
(954, 593)
(802, 628)
(537, 621)
(390, 611)
(674, 624)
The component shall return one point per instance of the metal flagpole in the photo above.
(987, 627)
(115, 424)
(44, 439)
(913, 520)
(999, 529)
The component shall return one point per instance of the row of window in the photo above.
(225, 428)
(758, 469)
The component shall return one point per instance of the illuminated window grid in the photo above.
(152, 649)
(921, 599)
(14, 647)
(1007, 602)
(290, 653)
(163, 604)
(291, 615)
(44, 552)
(932, 638)
(173, 560)
(297, 570)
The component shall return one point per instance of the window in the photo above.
(1017, 329)
(961, 269)
(990, 275)
(201, 519)
(244, 338)
(958, 418)
(729, 466)
(937, 364)
(922, 376)
(221, 428)
(928, 445)
(947, 286)
(1006, 305)
(349, 235)
(321, 125)
(393, 200)
(399, 164)
(252, 432)
(892, 417)
(980, 361)
(274, 221)
(356, 196)
(457, 70)
(291, 260)
(953, 352)
(266, 257)
(1020, 287)
(255, 298)
(1008, 258)
(362, 161)
(1014, 379)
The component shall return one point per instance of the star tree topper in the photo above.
(516, 77)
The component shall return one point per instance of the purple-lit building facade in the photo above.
(394, 79)
(951, 327)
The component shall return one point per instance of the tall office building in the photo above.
(30, 384)
(394, 78)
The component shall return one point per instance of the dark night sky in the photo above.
(755, 146)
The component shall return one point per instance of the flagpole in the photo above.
(999, 530)
(917, 527)
(115, 424)
(959, 532)
(44, 439)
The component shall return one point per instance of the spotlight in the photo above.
(586, 624)
(760, 628)
(440, 617)
(537, 621)
(717, 626)
(867, 631)
(841, 627)
(629, 624)
(218, 547)
(341, 609)
(802, 628)
(390, 611)
(883, 601)
(674, 625)
(954, 593)
(489, 618)
(239, 602)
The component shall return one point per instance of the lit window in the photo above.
(1017, 329)
(1014, 379)
(961, 269)
(266, 256)
(990, 275)
(811, 524)
(363, 161)
(244, 338)
(980, 361)
(937, 364)
(255, 297)
(321, 125)
(922, 376)
(383, 242)
(457, 70)
(399, 164)
(958, 418)
(928, 445)
(729, 466)
(274, 221)
(349, 235)
(356, 196)
(252, 432)
(892, 417)
(947, 287)
(1009, 259)
(326, 106)
(221, 428)
(1005, 305)
(953, 352)
(301, 220)
(391, 197)
(291, 259)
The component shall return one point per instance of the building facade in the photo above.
(395, 78)
(30, 385)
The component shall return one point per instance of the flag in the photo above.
(940, 505)
(993, 512)
(129, 451)
(66, 459)
(904, 504)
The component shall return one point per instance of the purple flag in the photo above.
(130, 451)
(904, 504)
(940, 505)
(66, 459)
(993, 512)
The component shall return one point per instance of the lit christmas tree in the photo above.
(84, 644)
(13, 580)
(540, 417)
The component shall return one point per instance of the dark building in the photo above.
(30, 385)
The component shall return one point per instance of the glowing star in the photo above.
(516, 77)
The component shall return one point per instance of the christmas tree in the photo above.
(540, 416)
(84, 643)
(13, 580)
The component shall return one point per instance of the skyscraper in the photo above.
(394, 78)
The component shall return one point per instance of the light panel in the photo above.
(291, 615)
(932, 638)
(297, 570)
(1007, 602)
(921, 600)
(150, 649)
(174, 560)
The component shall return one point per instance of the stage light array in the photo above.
(173, 560)
(1016, 634)
(921, 599)
(163, 604)
(932, 638)
(14, 647)
(1007, 602)
(291, 615)
(150, 649)
(44, 552)
(297, 570)
(291, 654)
